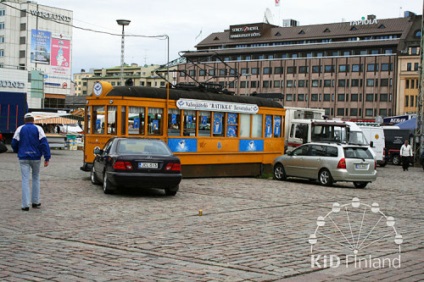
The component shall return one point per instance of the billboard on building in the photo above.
(40, 46)
(60, 52)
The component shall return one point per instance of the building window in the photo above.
(290, 84)
(415, 66)
(302, 83)
(340, 111)
(407, 84)
(354, 112)
(357, 68)
(340, 97)
(278, 70)
(289, 97)
(370, 82)
(277, 84)
(369, 97)
(343, 68)
(2, 12)
(22, 40)
(384, 97)
(409, 66)
(356, 82)
(354, 97)
(192, 73)
(301, 97)
(303, 69)
(265, 84)
(1, 25)
(222, 72)
(291, 69)
(314, 97)
(383, 112)
(384, 82)
(315, 83)
(329, 68)
(267, 70)
(23, 26)
(22, 54)
(202, 72)
(372, 67)
(327, 97)
(1, 53)
(386, 67)
(1, 39)
(211, 72)
(253, 84)
(316, 69)
(244, 71)
(328, 83)
(343, 83)
(255, 71)
(369, 112)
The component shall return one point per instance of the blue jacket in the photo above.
(30, 142)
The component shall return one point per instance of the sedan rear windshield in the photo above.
(138, 146)
(357, 153)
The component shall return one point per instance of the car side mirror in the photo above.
(372, 144)
(98, 151)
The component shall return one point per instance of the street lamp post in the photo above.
(123, 23)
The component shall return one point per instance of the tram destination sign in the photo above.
(216, 106)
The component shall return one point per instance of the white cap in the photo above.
(29, 115)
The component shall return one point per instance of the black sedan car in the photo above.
(136, 163)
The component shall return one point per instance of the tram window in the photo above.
(189, 123)
(244, 125)
(218, 124)
(136, 120)
(98, 119)
(257, 126)
(174, 122)
(205, 124)
(155, 121)
(277, 126)
(111, 119)
(232, 125)
(268, 126)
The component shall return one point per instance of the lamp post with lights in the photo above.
(123, 23)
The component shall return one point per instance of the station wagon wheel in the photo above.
(360, 184)
(172, 191)
(93, 177)
(325, 178)
(107, 186)
(279, 172)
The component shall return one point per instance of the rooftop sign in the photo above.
(245, 31)
(364, 21)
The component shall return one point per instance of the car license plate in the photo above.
(361, 166)
(147, 165)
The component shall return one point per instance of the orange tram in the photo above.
(214, 135)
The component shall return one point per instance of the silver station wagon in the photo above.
(329, 163)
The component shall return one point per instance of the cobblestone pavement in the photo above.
(251, 230)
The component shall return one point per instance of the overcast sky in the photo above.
(183, 20)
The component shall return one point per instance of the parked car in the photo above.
(136, 163)
(328, 163)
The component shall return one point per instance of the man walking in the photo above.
(405, 154)
(30, 142)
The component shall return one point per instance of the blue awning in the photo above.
(410, 124)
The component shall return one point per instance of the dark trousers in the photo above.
(405, 163)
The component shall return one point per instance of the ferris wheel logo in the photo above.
(355, 234)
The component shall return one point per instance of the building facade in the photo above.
(350, 69)
(134, 74)
(38, 39)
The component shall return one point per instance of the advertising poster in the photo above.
(217, 123)
(268, 126)
(40, 46)
(60, 52)
(182, 145)
(251, 145)
(277, 126)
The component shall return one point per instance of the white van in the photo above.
(375, 137)
(301, 131)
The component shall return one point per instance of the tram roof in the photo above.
(175, 94)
